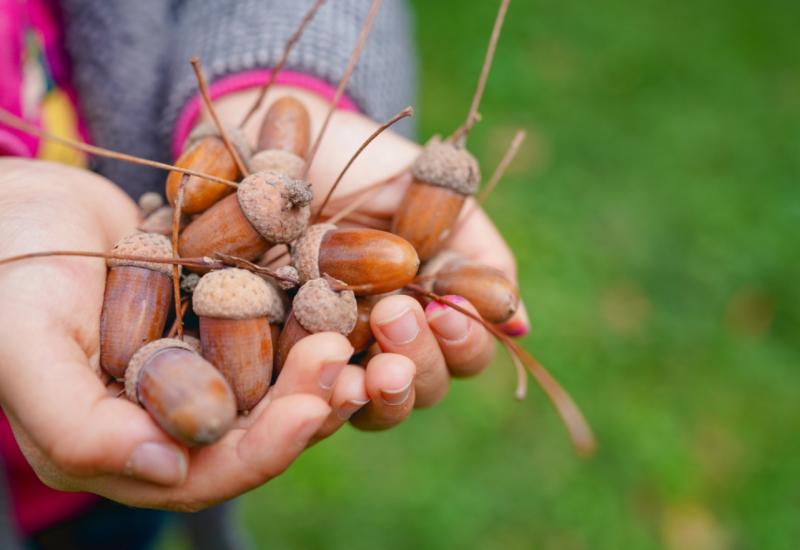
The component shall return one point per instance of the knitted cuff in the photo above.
(233, 36)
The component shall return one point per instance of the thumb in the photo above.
(68, 425)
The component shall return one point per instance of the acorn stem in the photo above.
(282, 61)
(201, 84)
(351, 65)
(407, 112)
(459, 137)
(22, 125)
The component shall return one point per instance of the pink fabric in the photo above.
(15, 17)
(250, 79)
(36, 506)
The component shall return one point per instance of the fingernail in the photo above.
(349, 408)
(401, 328)
(328, 374)
(157, 462)
(446, 322)
(396, 397)
(516, 328)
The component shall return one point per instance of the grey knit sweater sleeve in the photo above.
(133, 77)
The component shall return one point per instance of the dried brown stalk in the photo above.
(14, 121)
(460, 135)
(575, 422)
(351, 65)
(223, 133)
(282, 61)
(407, 112)
(176, 269)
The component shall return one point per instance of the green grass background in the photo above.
(655, 213)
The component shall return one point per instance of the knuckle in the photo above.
(70, 457)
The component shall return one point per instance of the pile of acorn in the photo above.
(247, 322)
(241, 316)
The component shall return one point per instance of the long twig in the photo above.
(223, 133)
(407, 112)
(351, 65)
(221, 261)
(282, 61)
(460, 135)
(179, 319)
(176, 269)
(579, 430)
(497, 175)
(14, 121)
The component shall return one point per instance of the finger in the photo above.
(467, 346)
(399, 325)
(240, 461)
(349, 395)
(390, 386)
(313, 365)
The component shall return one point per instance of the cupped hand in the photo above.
(77, 435)
(422, 348)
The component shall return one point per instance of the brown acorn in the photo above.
(268, 208)
(317, 308)
(235, 307)
(183, 392)
(368, 260)
(361, 336)
(286, 127)
(137, 301)
(444, 176)
(491, 292)
(206, 152)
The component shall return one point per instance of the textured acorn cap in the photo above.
(446, 165)
(233, 294)
(278, 206)
(277, 160)
(305, 251)
(159, 221)
(143, 355)
(150, 202)
(209, 129)
(290, 272)
(318, 308)
(151, 245)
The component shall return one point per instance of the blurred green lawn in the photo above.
(656, 216)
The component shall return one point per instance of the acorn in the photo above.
(235, 308)
(137, 301)
(268, 208)
(361, 336)
(491, 292)
(206, 152)
(160, 221)
(183, 392)
(286, 127)
(367, 260)
(317, 308)
(444, 175)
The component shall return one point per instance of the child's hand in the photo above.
(439, 342)
(73, 432)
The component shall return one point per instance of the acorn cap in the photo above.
(318, 308)
(151, 245)
(159, 221)
(290, 272)
(209, 129)
(143, 355)
(277, 160)
(150, 202)
(276, 205)
(444, 164)
(233, 294)
(305, 251)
